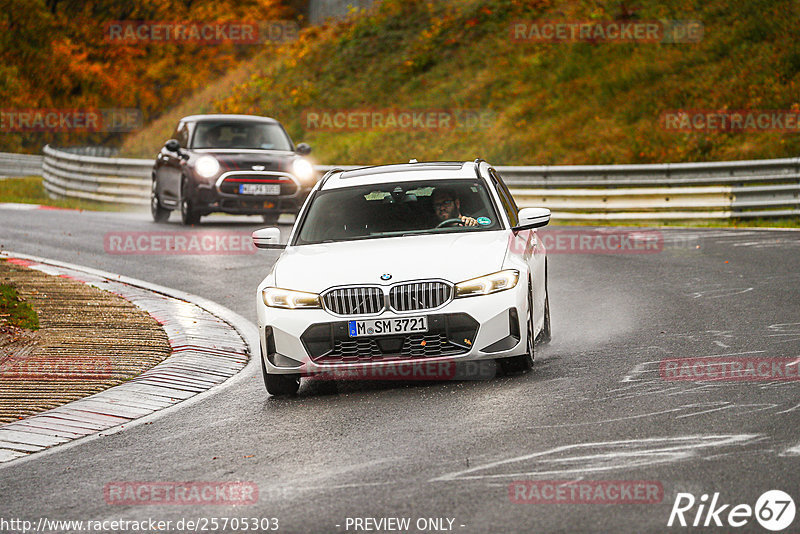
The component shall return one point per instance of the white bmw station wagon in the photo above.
(406, 265)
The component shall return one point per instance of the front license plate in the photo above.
(259, 189)
(387, 327)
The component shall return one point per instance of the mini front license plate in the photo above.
(387, 327)
(259, 189)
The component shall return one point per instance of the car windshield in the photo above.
(246, 135)
(398, 209)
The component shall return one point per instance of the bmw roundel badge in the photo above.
(386, 276)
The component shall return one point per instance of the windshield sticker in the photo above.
(484, 221)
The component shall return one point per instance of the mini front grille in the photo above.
(230, 185)
(354, 300)
(419, 296)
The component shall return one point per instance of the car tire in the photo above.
(279, 385)
(524, 362)
(189, 214)
(545, 336)
(271, 218)
(159, 213)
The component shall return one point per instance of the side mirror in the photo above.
(303, 149)
(532, 218)
(172, 145)
(268, 238)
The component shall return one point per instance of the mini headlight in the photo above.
(491, 283)
(207, 166)
(275, 297)
(303, 169)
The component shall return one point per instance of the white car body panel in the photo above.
(453, 257)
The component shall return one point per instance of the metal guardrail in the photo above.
(117, 180)
(99, 151)
(15, 165)
(716, 190)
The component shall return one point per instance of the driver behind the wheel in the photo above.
(447, 206)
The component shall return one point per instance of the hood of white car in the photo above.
(452, 256)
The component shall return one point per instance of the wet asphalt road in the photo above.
(595, 406)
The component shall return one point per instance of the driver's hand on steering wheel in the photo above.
(469, 221)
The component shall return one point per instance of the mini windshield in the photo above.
(396, 209)
(245, 135)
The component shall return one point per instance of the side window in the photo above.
(175, 132)
(182, 134)
(505, 198)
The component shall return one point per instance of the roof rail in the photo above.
(478, 162)
(328, 175)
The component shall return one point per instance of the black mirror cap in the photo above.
(172, 145)
(541, 224)
(303, 149)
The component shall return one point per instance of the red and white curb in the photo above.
(30, 207)
(210, 345)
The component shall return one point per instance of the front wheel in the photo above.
(189, 215)
(279, 385)
(524, 362)
(546, 334)
(159, 213)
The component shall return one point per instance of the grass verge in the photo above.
(30, 190)
(15, 311)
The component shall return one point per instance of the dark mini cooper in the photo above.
(241, 164)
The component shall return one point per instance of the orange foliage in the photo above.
(57, 54)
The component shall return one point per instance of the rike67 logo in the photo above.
(774, 510)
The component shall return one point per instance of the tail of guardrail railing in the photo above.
(667, 191)
(20, 164)
(99, 151)
(116, 180)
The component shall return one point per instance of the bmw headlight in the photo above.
(275, 297)
(491, 283)
(303, 169)
(207, 166)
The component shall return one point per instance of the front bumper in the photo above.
(315, 341)
(222, 195)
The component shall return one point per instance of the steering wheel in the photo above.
(450, 222)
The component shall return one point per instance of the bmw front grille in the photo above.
(354, 300)
(419, 296)
(371, 300)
